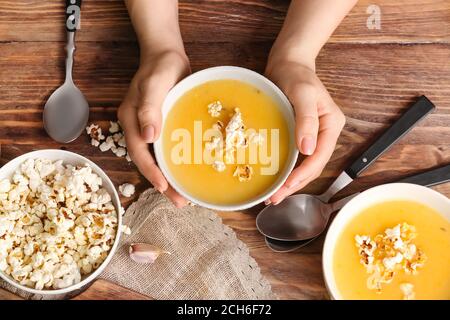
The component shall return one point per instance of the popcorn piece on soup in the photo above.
(243, 173)
(213, 144)
(218, 125)
(68, 217)
(234, 135)
(219, 166)
(389, 253)
(236, 122)
(214, 109)
(408, 291)
(256, 138)
(127, 189)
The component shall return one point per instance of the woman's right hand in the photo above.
(140, 113)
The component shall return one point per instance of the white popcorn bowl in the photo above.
(7, 171)
(368, 198)
(254, 79)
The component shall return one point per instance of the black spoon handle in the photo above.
(73, 12)
(403, 125)
(430, 178)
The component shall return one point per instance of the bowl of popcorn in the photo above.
(60, 221)
(390, 242)
(228, 138)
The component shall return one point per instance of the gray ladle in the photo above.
(304, 216)
(66, 112)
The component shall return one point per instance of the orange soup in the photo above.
(248, 153)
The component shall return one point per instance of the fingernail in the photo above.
(267, 202)
(148, 133)
(308, 145)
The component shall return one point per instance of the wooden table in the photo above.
(372, 74)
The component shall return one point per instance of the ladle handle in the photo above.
(430, 178)
(73, 14)
(427, 179)
(402, 126)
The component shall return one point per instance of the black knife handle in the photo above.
(73, 13)
(403, 125)
(430, 178)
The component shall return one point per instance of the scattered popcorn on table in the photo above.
(114, 127)
(389, 253)
(127, 189)
(120, 152)
(117, 136)
(95, 132)
(122, 142)
(57, 223)
(107, 144)
(126, 230)
(115, 141)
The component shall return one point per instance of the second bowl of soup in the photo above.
(390, 242)
(227, 141)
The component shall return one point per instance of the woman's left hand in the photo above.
(319, 122)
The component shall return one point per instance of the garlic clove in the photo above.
(145, 253)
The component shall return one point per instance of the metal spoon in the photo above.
(287, 246)
(303, 216)
(66, 112)
(427, 179)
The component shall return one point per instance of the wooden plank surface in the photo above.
(6, 295)
(98, 290)
(233, 21)
(105, 290)
(372, 74)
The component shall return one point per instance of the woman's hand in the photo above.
(319, 121)
(140, 112)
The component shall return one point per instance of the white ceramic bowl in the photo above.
(254, 79)
(379, 194)
(7, 171)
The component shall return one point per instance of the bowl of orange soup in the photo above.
(227, 141)
(390, 242)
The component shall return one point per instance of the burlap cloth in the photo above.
(207, 260)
